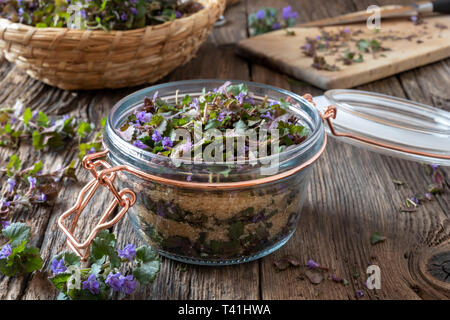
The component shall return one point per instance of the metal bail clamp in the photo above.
(124, 198)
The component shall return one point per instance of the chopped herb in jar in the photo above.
(181, 128)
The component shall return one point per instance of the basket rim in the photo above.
(206, 3)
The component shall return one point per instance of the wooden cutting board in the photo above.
(409, 45)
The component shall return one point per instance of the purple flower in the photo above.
(178, 14)
(133, 11)
(5, 204)
(414, 199)
(42, 197)
(5, 224)
(267, 115)
(155, 96)
(413, 19)
(32, 182)
(144, 117)
(311, 264)
(129, 284)
(66, 117)
(13, 120)
(129, 252)
(140, 144)
(276, 26)
(335, 279)
(318, 38)
(359, 294)
(58, 266)
(167, 143)
(115, 281)
(124, 17)
(20, 11)
(249, 100)
(428, 196)
(5, 252)
(347, 30)
(133, 1)
(195, 105)
(91, 150)
(156, 136)
(288, 13)
(83, 14)
(434, 167)
(240, 97)
(221, 116)
(92, 285)
(189, 178)
(261, 14)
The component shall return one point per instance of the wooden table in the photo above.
(351, 194)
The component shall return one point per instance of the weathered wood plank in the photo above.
(351, 194)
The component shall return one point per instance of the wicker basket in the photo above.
(80, 59)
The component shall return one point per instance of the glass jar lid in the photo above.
(389, 125)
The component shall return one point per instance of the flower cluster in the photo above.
(96, 14)
(32, 185)
(266, 20)
(104, 278)
(17, 256)
(230, 110)
(29, 186)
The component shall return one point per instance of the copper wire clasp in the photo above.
(124, 198)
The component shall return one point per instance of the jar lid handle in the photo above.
(124, 198)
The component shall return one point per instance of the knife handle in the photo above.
(441, 6)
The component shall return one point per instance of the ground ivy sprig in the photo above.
(266, 20)
(36, 127)
(105, 276)
(16, 255)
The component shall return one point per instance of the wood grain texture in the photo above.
(351, 194)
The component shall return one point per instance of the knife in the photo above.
(390, 11)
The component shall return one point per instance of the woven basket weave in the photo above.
(84, 59)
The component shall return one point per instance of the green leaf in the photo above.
(37, 140)
(27, 116)
(104, 245)
(84, 129)
(14, 163)
(42, 120)
(156, 120)
(19, 248)
(238, 88)
(16, 233)
(71, 259)
(32, 260)
(147, 272)
(36, 168)
(60, 280)
(103, 122)
(146, 254)
(376, 238)
(213, 124)
(363, 45)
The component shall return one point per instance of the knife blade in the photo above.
(389, 11)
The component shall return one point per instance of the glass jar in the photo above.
(205, 221)
(217, 214)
